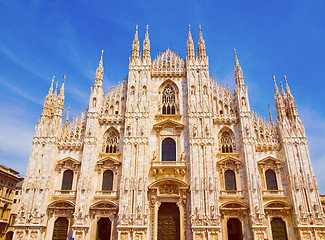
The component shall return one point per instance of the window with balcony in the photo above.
(168, 150)
(270, 178)
(107, 184)
(67, 180)
(230, 180)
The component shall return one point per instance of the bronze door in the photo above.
(60, 230)
(279, 231)
(168, 222)
(234, 229)
(103, 229)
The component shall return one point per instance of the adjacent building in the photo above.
(169, 153)
(8, 180)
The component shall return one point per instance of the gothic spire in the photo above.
(135, 44)
(62, 87)
(283, 92)
(276, 89)
(146, 46)
(201, 43)
(56, 89)
(190, 44)
(51, 88)
(238, 71)
(270, 113)
(99, 72)
(287, 85)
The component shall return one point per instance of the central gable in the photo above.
(168, 63)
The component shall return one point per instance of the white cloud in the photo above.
(16, 135)
(21, 92)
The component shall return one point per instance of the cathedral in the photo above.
(170, 154)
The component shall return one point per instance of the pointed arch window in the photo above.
(111, 142)
(168, 150)
(169, 100)
(107, 181)
(270, 177)
(67, 180)
(230, 180)
(227, 143)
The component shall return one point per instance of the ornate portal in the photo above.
(168, 222)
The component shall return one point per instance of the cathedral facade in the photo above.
(170, 154)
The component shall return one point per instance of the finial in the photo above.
(102, 53)
(274, 79)
(147, 27)
(235, 52)
(200, 27)
(189, 27)
(64, 77)
(53, 79)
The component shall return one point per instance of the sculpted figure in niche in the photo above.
(194, 130)
(183, 156)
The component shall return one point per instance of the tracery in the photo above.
(227, 144)
(169, 100)
(111, 144)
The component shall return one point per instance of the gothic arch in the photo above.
(168, 98)
(111, 141)
(227, 141)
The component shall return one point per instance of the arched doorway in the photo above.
(60, 231)
(9, 235)
(168, 222)
(279, 230)
(234, 229)
(103, 229)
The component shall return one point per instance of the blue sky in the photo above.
(40, 39)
